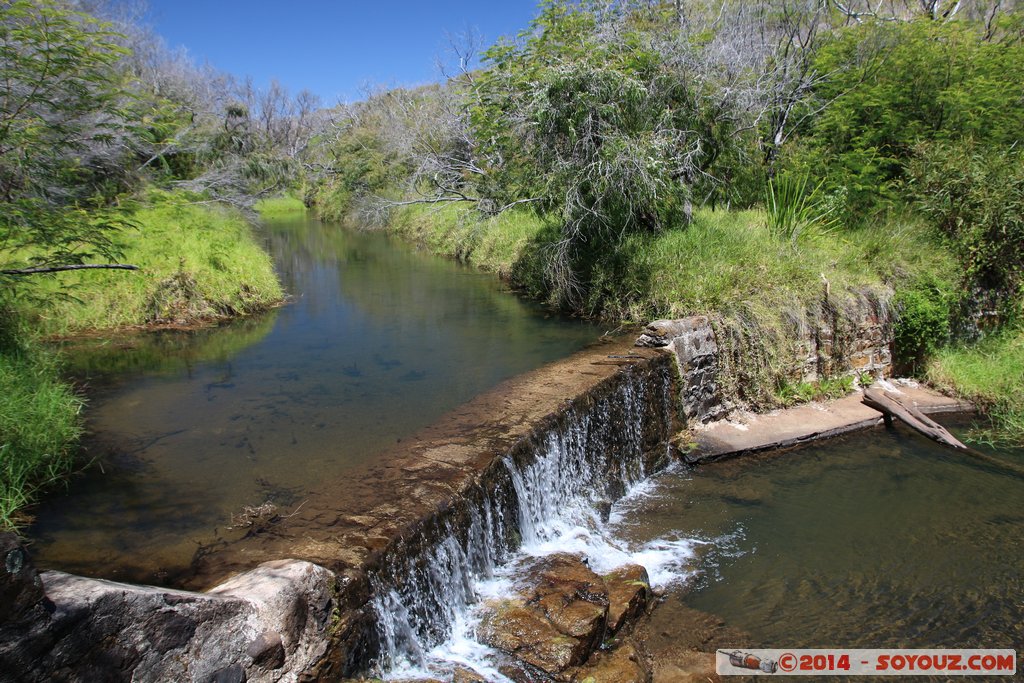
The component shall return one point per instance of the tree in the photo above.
(61, 111)
(896, 84)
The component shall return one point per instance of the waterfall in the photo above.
(551, 491)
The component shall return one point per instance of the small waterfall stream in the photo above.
(553, 492)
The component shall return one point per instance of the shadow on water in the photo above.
(876, 539)
(188, 429)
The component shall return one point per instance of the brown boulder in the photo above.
(464, 675)
(623, 665)
(629, 590)
(525, 633)
(567, 575)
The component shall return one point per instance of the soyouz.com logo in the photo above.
(762, 662)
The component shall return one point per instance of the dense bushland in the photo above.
(631, 159)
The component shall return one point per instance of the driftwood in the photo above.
(890, 405)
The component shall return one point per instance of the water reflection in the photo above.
(188, 428)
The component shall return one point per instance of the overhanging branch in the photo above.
(58, 269)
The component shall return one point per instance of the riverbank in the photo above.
(198, 264)
(990, 374)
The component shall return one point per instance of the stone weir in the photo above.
(380, 562)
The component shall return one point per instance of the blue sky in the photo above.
(332, 48)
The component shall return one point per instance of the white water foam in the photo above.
(578, 530)
(428, 620)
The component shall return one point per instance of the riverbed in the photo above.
(193, 432)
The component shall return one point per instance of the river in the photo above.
(189, 429)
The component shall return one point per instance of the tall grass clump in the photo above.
(793, 211)
(989, 373)
(39, 424)
(493, 243)
(286, 205)
(197, 262)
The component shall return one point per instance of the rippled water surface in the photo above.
(876, 539)
(190, 428)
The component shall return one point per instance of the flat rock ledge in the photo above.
(272, 623)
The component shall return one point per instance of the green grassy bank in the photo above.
(39, 426)
(724, 261)
(990, 374)
(197, 263)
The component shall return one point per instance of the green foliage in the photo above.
(39, 423)
(196, 262)
(793, 212)
(894, 84)
(991, 374)
(280, 206)
(923, 310)
(61, 111)
(602, 133)
(790, 393)
(975, 194)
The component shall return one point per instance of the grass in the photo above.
(989, 373)
(724, 261)
(197, 262)
(790, 393)
(759, 283)
(492, 243)
(39, 428)
(286, 205)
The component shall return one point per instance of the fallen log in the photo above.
(890, 405)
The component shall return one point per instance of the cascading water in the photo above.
(552, 494)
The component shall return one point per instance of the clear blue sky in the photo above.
(332, 48)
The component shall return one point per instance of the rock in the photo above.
(576, 618)
(623, 665)
(567, 575)
(557, 620)
(246, 629)
(20, 587)
(526, 634)
(267, 650)
(629, 590)
(464, 675)
(661, 332)
(232, 674)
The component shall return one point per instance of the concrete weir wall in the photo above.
(312, 617)
(853, 339)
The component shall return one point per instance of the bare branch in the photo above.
(77, 266)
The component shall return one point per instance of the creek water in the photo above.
(189, 428)
(875, 539)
